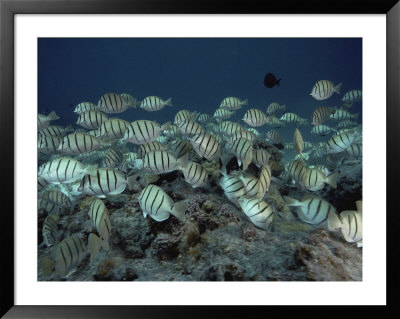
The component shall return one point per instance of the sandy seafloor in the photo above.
(217, 242)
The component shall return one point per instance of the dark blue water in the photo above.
(196, 73)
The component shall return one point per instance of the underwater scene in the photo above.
(199, 159)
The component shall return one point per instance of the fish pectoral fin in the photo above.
(95, 242)
(179, 209)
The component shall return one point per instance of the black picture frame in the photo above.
(8, 10)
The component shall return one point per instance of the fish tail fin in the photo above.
(69, 128)
(245, 102)
(179, 209)
(278, 82)
(169, 102)
(47, 266)
(359, 206)
(331, 179)
(283, 107)
(106, 140)
(53, 116)
(137, 103)
(90, 169)
(131, 181)
(291, 201)
(333, 129)
(338, 87)
(334, 221)
(166, 126)
(94, 242)
(183, 161)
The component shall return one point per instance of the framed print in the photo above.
(197, 155)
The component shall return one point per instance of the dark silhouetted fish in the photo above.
(270, 80)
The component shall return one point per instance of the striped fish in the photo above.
(78, 143)
(148, 147)
(184, 115)
(81, 130)
(354, 150)
(63, 170)
(229, 128)
(42, 183)
(251, 184)
(233, 188)
(44, 120)
(113, 129)
(274, 107)
(352, 96)
(159, 162)
(346, 124)
(324, 89)
(341, 115)
(129, 99)
(243, 150)
(130, 157)
(274, 137)
(243, 133)
(172, 132)
(67, 255)
(255, 117)
(154, 103)
(50, 232)
(84, 106)
(253, 131)
(258, 211)
(232, 103)
(158, 205)
(222, 114)
(48, 144)
(293, 118)
(260, 157)
(297, 169)
(56, 197)
(98, 213)
(180, 147)
(321, 114)
(50, 207)
(104, 182)
(350, 225)
(339, 142)
(206, 145)
(113, 158)
(275, 122)
(298, 142)
(264, 181)
(314, 179)
(314, 210)
(55, 130)
(144, 131)
(322, 130)
(204, 118)
(195, 174)
(190, 128)
(91, 120)
(112, 103)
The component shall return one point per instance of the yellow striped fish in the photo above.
(297, 169)
(154, 103)
(48, 144)
(144, 131)
(264, 181)
(222, 114)
(258, 211)
(298, 142)
(255, 117)
(232, 103)
(233, 188)
(172, 132)
(158, 205)
(50, 232)
(57, 197)
(274, 137)
(260, 157)
(314, 210)
(184, 115)
(251, 184)
(352, 96)
(129, 99)
(112, 103)
(354, 150)
(274, 107)
(99, 215)
(339, 142)
(229, 128)
(350, 225)
(293, 118)
(243, 133)
(340, 115)
(84, 106)
(180, 147)
(113, 158)
(67, 255)
(55, 130)
(50, 208)
(91, 119)
(148, 147)
(195, 174)
(64, 170)
(322, 130)
(324, 89)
